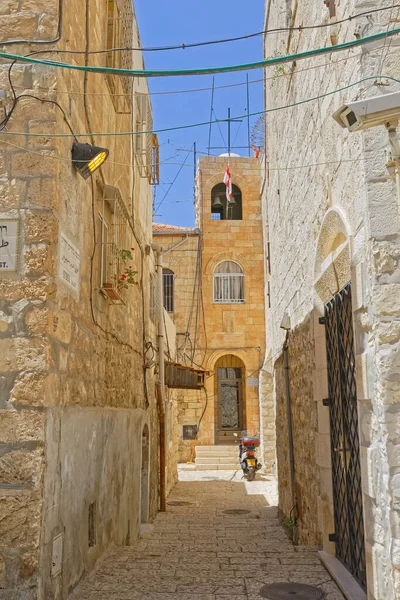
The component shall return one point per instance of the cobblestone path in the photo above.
(199, 552)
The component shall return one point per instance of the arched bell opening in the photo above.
(224, 209)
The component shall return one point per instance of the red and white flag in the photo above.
(228, 183)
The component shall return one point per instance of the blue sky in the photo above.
(165, 22)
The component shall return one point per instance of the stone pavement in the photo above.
(198, 552)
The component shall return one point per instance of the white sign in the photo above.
(70, 261)
(8, 244)
(252, 381)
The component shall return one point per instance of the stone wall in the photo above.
(74, 396)
(331, 215)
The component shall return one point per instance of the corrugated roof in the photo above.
(163, 228)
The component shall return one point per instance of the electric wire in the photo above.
(185, 46)
(207, 89)
(208, 70)
(173, 181)
(203, 123)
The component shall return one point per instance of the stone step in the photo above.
(209, 460)
(217, 450)
(217, 467)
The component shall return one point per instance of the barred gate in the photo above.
(345, 447)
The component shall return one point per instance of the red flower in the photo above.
(132, 248)
(130, 267)
(137, 283)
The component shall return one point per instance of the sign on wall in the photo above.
(252, 381)
(70, 261)
(189, 432)
(9, 244)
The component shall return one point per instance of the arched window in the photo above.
(223, 209)
(228, 283)
(168, 290)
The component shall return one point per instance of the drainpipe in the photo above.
(290, 430)
(160, 391)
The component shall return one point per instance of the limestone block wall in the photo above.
(74, 398)
(331, 215)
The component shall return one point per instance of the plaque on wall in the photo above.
(252, 381)
(9, 245)
(189, 432)
(69, 264)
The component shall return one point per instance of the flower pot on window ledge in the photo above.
(110, 290)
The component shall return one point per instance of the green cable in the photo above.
(166, 129)
(227, 69)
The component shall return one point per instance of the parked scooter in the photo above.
(247, 455)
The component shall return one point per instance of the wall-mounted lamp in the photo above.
(87, 159)
(285, 323)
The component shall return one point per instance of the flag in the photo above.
(228, 183)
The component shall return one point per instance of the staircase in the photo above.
(217, 458)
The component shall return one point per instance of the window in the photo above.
(119, 35)
(168, 290)
(146, 143)
(228, 283)
(223, 209)
(113, 240)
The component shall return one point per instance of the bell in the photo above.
(231, 201)
(217, 202)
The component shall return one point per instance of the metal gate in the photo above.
(345, 447)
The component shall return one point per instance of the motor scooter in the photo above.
(247, 455)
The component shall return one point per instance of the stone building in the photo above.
(213, 290)
(331, 216)
(79, 433)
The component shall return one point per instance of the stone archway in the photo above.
(332, 260)
(229, 393)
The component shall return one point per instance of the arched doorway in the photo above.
(144, 484)
(230, 402)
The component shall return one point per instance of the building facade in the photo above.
(79, 437)
(214, 275)
(331, 216)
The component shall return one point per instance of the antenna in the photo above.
(211, 114)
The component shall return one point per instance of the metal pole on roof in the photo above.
(248, 111)
(211, 114)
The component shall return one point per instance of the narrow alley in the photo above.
(220, 538)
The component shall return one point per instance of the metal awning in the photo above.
(180, 376)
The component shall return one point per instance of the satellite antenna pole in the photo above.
(195, 168)
(229, 134)
(211, 114)
(248, 111)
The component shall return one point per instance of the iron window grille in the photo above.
(168, 290)
(228, 283)
(114, 237)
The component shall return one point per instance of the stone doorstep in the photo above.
(349, 587)
(217, 449)
(214, 460)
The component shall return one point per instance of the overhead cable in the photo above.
(276, 60)
(185, 46)
(203, 123)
